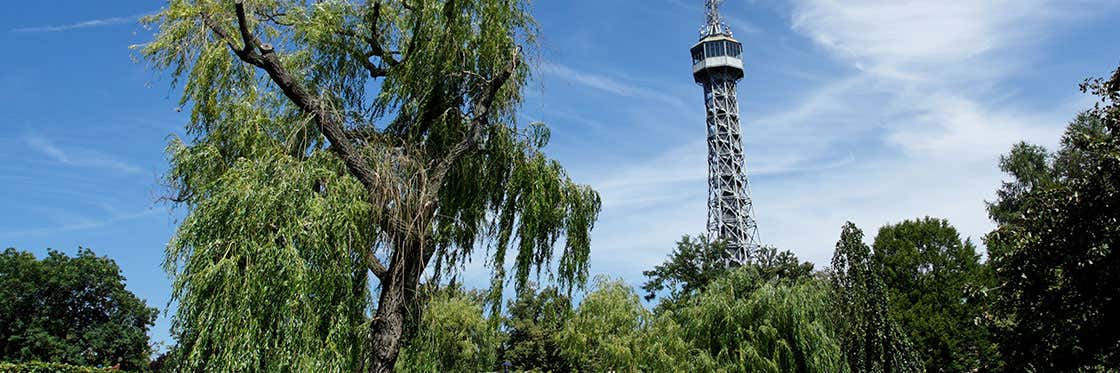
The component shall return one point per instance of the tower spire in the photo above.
(715, 24)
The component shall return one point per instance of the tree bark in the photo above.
(387, 329)
(398, 296)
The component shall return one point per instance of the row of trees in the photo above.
(773, 315)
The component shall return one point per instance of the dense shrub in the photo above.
(38, 367)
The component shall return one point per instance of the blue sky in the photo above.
(863, 110)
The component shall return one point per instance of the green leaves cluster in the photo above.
(72, 310)
(872, 341)
(744, 322)
(1054, 252)
(39, 367)
(453, 335)
(928, 272)
(697, 261)
(605, 332)
(533, 325)
(276, 242)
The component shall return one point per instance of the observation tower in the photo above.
(717, 65)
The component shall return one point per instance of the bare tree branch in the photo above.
(375, 265)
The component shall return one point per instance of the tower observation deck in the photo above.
(717, 65)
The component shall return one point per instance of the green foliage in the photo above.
(38, 367)
(72, 310)
(1054, 251)
(534, 322)
(605, 333)
(742, 321)
(745, 323)
(870, 339)
(693, 264)
(774, 264)
(696, 262)
(271, 265)
(266, 272)
(926, 270)
(453, 335)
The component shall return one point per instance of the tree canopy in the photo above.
(534, 322)
(927, 272)
(73, 310)
(605, 331)
(1054, 251)
(697, 261)
(453, 335)
(743, 322)
(329, 141)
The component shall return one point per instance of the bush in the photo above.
(39, 367)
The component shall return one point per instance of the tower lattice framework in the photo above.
(718, 66)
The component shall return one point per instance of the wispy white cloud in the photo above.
(80, 157)
(81, 25)
(79, 223)
(612, 85)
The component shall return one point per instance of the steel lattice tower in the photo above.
(717, 65)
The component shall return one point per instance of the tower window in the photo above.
(715, 49)
(734, 49)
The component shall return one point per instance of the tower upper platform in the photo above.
(719, 53)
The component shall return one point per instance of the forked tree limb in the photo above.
(330, 124)
(480, 120)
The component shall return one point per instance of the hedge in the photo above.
(38, 367)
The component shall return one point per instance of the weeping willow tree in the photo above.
(605, 331)
(744, 322)
(453, 334)
(335, 152)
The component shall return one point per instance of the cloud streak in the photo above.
(80, 25)
(608, 84)
(80, 158)
(81, 224)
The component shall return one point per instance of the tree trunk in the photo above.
(398, 295)
(387, 329)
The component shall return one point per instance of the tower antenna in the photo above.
(715, 24)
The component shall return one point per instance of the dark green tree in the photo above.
(1054, 250)
(774, 264)
(870, 339)
(535, 319)
(335, 144)
(696, 262)
(72, 310)
(927, 269)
